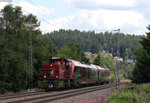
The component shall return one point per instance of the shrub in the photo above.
(146, 94)
(147, 89)
(125, 96)
(132, 94)
(2, 90)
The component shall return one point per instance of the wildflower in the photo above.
(99, 99)
(104, 97)
(94, 101)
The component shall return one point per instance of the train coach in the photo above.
(66, 73)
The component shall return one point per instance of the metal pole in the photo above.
(118, 65)
(30, 25)
(30, 60)
(117, 62)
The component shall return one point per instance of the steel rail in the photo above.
(52, 97)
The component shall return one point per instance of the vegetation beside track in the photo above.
(133, 93)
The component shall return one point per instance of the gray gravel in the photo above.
(92, 97)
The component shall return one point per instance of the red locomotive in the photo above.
(61, 73)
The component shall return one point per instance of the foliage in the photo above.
(104, 61)
(107, 62)
(70, 51)
(125, 97)
(43, 49)
(141, 73)
(84, 59)
(146, 93)
(131, 94)
(14, 52)
(98, 60)
(112, 77)
(124, 70)
(118, 44)
(147, 89)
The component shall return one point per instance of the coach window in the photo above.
(88, 73)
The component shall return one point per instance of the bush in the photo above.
(134, 87)
(146, 94)
(2, 90)
(132, 94)
(147, 89)
(112, 77)
(125, 96)
(4, 87)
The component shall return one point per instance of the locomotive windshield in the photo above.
(54, 61)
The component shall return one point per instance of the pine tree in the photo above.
(141, 73)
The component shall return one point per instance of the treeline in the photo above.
(15, 28)
(119, 44)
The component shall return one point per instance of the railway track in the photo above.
(51, 96)
(18, 95)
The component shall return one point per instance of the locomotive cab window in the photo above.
(68, 65)
(54, 62)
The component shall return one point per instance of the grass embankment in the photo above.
(132, 93)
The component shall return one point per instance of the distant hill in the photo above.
(119, 44)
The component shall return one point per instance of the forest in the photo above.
(16, 29)
(119, 44)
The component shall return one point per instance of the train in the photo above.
(68, 73)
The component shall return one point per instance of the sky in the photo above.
(130, 16)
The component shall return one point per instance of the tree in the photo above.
(84, 59)
(14, 52)
(43, 49)
(14, 47)
(141, 73)
(104, 61)
(118, 44)
(107, 62)
(98, 60)
(70, 51)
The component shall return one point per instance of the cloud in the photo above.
(131, 16)
(40, 11)
(100, 4)
(3, 4)
(127, 15)
(141, 6)
(103, 20)
(37, 10)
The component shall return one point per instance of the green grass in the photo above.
(124, 97)
(132, 94)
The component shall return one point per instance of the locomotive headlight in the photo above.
(56, 76)
(44, 76)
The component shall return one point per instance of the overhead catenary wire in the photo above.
(54, 16)
(40, 19)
